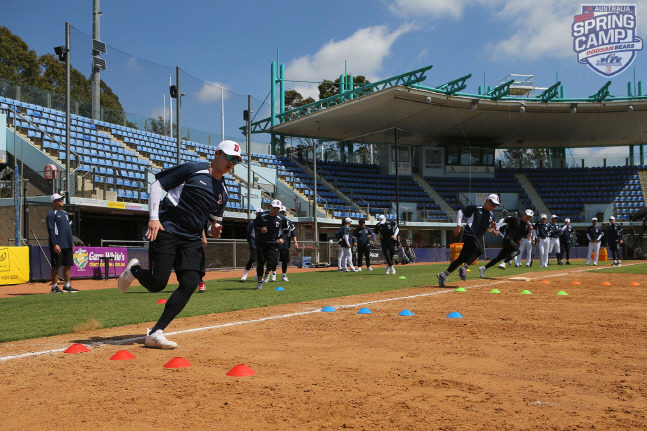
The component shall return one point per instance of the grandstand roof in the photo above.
(429, 118)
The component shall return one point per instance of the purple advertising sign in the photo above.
(88, 262)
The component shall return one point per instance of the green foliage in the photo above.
(525, 158)
(161, 127)
(294, 99)
(331, 88)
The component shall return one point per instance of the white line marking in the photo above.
(285, 316)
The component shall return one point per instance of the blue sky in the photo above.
(232, 44)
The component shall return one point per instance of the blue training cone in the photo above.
(406, 313)
(279, 288)
(455, 315)
(364, 311)
(328, 309)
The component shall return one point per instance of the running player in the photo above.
(284, 249)
(479, 220)
(517, 229)
(196, 194)
(388, 231)
(273, 231)
(251, 240)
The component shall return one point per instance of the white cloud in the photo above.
(435, 8)
(212, 92)
(365, 51)
(134, 65)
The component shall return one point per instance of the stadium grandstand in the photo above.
(435, 154)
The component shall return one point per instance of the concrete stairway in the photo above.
(451, 213)
(530, 190)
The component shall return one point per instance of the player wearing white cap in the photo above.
(540, 234)
(273, 231)
(346, 246)
(614, 238)
(594, 234)
(566, 240)
(61, 244)
(554, 232)
(196, 197)
(251, 235)
(480, 219)
(517, 228)
(284, 249)
(388, 231)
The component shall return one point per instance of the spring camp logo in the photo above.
(81, 258)
(604, 38)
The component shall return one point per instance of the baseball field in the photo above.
(503, 354)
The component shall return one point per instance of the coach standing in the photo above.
(363, 236)
(614, 238)
(554, 232)
(566, 240)
(594, 234)
(196, 197)
(251, 235)
(480, 219)
(61, 244)
(541, 234)
(388, 231)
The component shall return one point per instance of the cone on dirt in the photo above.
(77, 348)
(455, 315)
(178, 362)
(526, 292)
(545, 282)
(576, 282)
(328, 309)
(606, 283)
(562, 293)
(460, 289)
(495, 291)
(122, 355)
(241, 370)
(406, 313)
(364, 311)
(161, 301)
(635, 283)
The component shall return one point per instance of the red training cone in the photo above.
(77, 348)
(545, 282)
(178, 362)
(606, 283)
(161, 301)
(122, 355)
(241, 370)
(635, 283)
(576, 282)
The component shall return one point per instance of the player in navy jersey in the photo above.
(196, 197)
(517, 229)
(61, 245)
(388, 231)
(594, 234)
(273, 230)
(363, 236)
(614, 238)
(251, 240)
(284, 249)
(480, 219)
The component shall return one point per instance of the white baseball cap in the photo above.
(553, 216)
(276, 203)
(530, 213)
(282, 210)
(612, 218)
(347, 220)
(259, 210)
(568, 220)
(494, 198)
(594, 219)
(543, 216)
(381, 218)
(231, 148)
(55, 197)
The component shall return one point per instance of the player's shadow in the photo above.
(121, 340)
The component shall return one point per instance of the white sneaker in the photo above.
(359, 269)
(595, 264)
(517, 265)
(482, 270)
(244, 277)
(619, 262)
(502, 265)
(126, 278)
(259, 285)
(352, 268)
(392, 270)
(442, 278)
(273, 276)
(369, 268)
(158, 340)
(387, 270)
(266, 279)
(285, 277)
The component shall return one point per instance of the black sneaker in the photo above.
(568, 263)
(70, 289)
(55, 290)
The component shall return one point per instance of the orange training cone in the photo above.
(161, 301)
(122, 355)
(576, 282)
(606, 283)
(635, 283)
(77, 348)
(178, 362)
(545, 282)
(241, 370)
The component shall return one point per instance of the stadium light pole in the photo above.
(247, 116)
(397, 180)
(63, 54)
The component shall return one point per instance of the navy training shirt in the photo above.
(386, 230)
(478, 220)
(290, 234)
(542, 230)
(363, 235)
(594, 233)
(193, 198)
(59, 229)
(277, 227)
(614, 233)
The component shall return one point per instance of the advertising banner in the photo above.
(14, 265)
(88, 262)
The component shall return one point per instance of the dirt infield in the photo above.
(514, 361)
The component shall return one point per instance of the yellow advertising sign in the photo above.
(14, 265)
(112, 204)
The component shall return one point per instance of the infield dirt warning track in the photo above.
(512, 361)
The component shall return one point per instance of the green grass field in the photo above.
(35, 316)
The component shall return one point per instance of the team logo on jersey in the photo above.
(81, 258)
(604, 37)
(220, 199)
